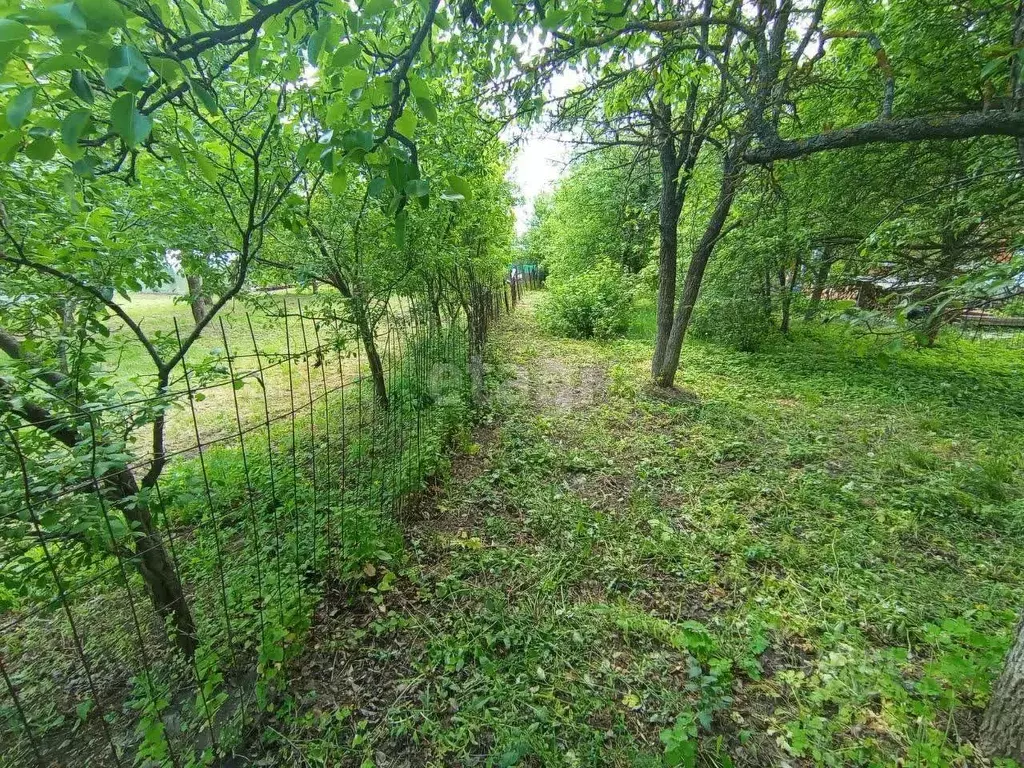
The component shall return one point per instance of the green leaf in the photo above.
(101, 15)
(458, 189)
(74, 126)
(177, 156)
(346, 55)
(504, 10)
(168, 70)
(406, 124)
(64, 16)
(80, 86)
(419, 87)
(354, 78)
(400, 221)
(427, 108)
(255, 59)
(57, 63)
(9, 146)
(398, 172)
(317, 41)
(991, 67)
(130, 124)
(306, 151)
(376, 7)
(339, 182)
(207, 97)
(417, 188)
(553, 19)
(84, 708)
(126, 68)
(86, 166)
(206, 167)
(42, 148)
(357, 140)
(12, 31)
(327, 159)
(234, 9)
(20, 106)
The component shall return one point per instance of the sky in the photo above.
(537, 165)
(542, 155)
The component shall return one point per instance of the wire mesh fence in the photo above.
(1006, 332)
(152, 623)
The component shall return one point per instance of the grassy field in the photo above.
(257, 325)
(809, 557)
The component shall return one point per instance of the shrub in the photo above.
(647, 278)
(732, 308)
(739, 321)
(592, 304)
(1013, 308)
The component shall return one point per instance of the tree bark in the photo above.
(366, 335)
(120, 488)
(151, 560)
(731, 175)
(892, 131)
(198, 300)
(669, 210)
(787, 295)
(476, 319)
(1002, 728)
(820, 278)
(67, 324)
(1016, 75)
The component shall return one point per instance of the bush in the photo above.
(592, 304)
(742, 322)
(1013, 308)
(732, 308)
(647, 278)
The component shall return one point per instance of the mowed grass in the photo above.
(810, 557)
(267, 324)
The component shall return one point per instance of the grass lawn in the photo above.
(269, 334)
(810, 557)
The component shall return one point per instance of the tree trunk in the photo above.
(434, 300)
(1002, 728)
(787, 295)
(380, 387)
(820, 278)
(198, 300)
(476, 319)
(1016, 74)
(668, 248)
(120, 488)
(151, 560)
(731, 175)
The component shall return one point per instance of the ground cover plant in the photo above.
(809, 558)
(741, 486)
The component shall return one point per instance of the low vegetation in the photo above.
(742, 486)
(789, 564)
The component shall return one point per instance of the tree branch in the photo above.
(895, 131)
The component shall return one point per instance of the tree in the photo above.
(115, 89)
(768, 57)
(605, 208)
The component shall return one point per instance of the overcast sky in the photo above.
(541, 157)
(537, 165)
